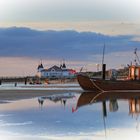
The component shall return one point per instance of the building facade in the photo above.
(55, 72)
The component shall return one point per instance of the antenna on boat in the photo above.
(81, 69)
(135, 52)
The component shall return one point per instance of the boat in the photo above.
(92, 84)
(131, 83)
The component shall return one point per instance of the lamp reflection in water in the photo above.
(134, 109)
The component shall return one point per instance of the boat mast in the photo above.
(103, 65)
(103, 54)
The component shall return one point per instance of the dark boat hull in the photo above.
(85, 83)
(107, 85)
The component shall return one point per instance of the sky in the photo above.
(108, 18)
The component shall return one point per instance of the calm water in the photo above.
(85, 116)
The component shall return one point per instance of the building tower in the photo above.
(63, 65)
(39, 69)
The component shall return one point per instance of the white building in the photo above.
(56, 72)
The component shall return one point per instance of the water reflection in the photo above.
(133, 98)
(40, 101)
(98, 116)
(57, 98)
(134, 106)
(113, 105)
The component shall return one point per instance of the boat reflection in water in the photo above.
(86, 116)
(133, 99)
(91, 98)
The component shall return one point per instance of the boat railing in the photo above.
(108, 78)
(122, 77)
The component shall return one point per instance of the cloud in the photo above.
(108, 27)
(68, 44)
(22, 48)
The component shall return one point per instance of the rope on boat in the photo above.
(97, 86)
